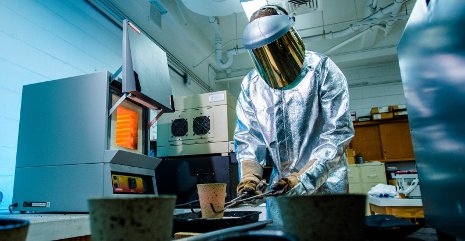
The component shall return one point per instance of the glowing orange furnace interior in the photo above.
(126, 128)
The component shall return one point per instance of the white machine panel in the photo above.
(201, 124)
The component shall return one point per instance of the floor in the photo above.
(423, 234)
(426, 234)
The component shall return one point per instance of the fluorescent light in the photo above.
(250, 6)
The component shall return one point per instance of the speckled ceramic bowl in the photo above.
(13, 229)
(214, 194)
(147, 217)
(324, 217)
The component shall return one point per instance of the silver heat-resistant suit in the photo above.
(308, 120)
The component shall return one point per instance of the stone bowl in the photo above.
(324, 217)
(144, 217)
(13, 229)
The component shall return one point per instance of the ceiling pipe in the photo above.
(369, 40)
(351, 39)
(395, 11)
(337, 34)
(181, 13)
(235, 78)
(370, 7)
(219, 47)
(374, 19)
(397, 4)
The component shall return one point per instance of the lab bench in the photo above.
(399, 207)
(76, 227)
(45, 227)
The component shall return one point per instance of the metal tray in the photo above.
(388, 227)
(191, 222)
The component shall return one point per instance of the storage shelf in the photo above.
(383, 140)
(392, 160)
(377, 122)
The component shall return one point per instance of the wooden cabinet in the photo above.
(387, 140)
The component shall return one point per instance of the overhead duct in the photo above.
(371, 6)
(219, 48)
(382, 19)
(297, 7)
(213, 7)
(358, 35)
(377, 20)
(393, 7)
(374, 19)
(395, 10)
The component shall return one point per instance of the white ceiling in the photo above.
(190, 37)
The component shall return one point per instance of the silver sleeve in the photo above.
(248, 139)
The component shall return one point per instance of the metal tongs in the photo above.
(244, 198)
(240, 199)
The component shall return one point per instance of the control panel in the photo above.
(123, 183)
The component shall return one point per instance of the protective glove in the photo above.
(285, 184)
(250, 189)
(251, 182)
(261, 187)
(248, 185)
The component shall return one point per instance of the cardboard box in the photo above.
(350, 152)
(364, 118)
(397, 107)
(400, 114)
(377, 110)
(351, 160)
(382, 116)
(353, 115)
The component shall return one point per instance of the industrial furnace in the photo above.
(87, 136)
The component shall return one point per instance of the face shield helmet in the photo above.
(275, 48)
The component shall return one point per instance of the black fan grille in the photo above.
(201, 125)
(179, 127)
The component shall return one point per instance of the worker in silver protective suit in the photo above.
(295, 103)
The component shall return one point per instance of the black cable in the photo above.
(12, 205)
